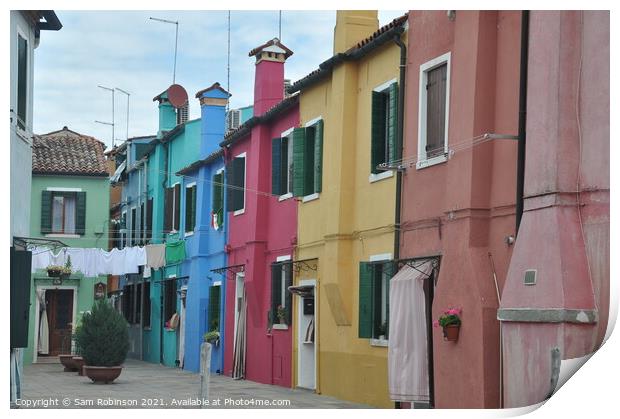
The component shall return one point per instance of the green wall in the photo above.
(96, 235)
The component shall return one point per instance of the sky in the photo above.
(127, 50)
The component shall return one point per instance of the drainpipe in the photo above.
(525, 26)
(399, 141)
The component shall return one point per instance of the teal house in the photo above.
(69, 204)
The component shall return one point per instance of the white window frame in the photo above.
(26, 132)
(378, 258)
(189, 233)
(245, 179)
(315, 195)
(289, 162)
(375, 177)
(422, 105)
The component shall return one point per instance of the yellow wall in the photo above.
(351, 220)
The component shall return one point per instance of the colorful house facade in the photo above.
(262, 224)
(458, 189)
(69, 203)
(346, 214)
(555, 302)
(205, 230)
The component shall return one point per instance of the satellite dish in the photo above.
(177, 95)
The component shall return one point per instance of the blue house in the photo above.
(204, 229)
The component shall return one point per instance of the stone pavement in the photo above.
(146, 385)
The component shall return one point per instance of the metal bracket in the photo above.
(31, 242)
(306, 265)
(232, 269)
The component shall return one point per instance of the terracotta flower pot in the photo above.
(102, 374)
(67, 361)
(78, 361)
(451, 332)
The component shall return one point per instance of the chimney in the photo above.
(213, 102)
(269, 74)
(353, 26)
(167, 113)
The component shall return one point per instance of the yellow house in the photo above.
(346, 213)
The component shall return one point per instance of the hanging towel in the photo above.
(60, 258)
(131, 260)
(43, 345)
(155, 256)
(41, 258)
(407, 347)
(77, 259)
(175, 252)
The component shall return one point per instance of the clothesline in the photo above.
(92, 262)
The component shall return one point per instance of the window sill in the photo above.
(285, 197)
(146, 329)
(380, 176)
(189, 233)
(379, 342)
(239, 212)
(310, 197)
(63, 235)
(431, 162)
(278, 326)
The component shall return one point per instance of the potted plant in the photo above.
(103, 339)
(281, 313)
(213, 337)
(57, 271)
(451, 324)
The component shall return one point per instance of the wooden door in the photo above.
(59, 315)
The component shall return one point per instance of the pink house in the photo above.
(555, 304)
(262, 229)
(459, 188)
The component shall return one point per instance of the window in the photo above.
(149, 219)
(123, 228)
(128, 303)
(384, 120)
(146, 307)
(235, 181)
(22, 81)
(281, 279)
(214, 308)
(170, 298)
(63, 212)
(374, 298)
(133, 239)
(137, 313)
(433, 111)
(172, 211)
(282, 165)
(190, 208)
(217, 209)
(308, 159)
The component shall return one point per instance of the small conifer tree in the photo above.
(103, 336)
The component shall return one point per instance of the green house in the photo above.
(69, 204)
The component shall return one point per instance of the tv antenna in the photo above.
(109, 123)
(176, 43)
(127, 121)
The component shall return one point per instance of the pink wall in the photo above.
(268, 85)
(567, 151)
(265, 231)
(463, 209)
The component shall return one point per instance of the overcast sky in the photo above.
(125, 49)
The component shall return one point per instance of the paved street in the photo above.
(145, 385)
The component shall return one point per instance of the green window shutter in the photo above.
(230, 182)
(46, 212)
(318, 156)
(393, 121)
(218, 197)
(190, 208)
(276, 286)
(214, 308)
(80, 216)
(366, 300)
(288, 299)
(194, 190)
(276, 166)
(377, 139)
(299, 148)
(177, 206)
(167, 210)
(239, 177)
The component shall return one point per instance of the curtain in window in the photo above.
(240, 342)
(57, 210)
(407, 348)
(69, 214)
(43, 345)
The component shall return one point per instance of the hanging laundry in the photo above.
(41, 259)
(175, 252)
(155, 257)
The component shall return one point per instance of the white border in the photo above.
(283, 258)
(379, 257)
(35, 351)
(376, 177)
(424, 69)
(57, 189)
(384, 86)
(311, 197)
(300, 308)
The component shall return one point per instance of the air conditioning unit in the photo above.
(233, 118)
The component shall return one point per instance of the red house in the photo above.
(262, 229)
